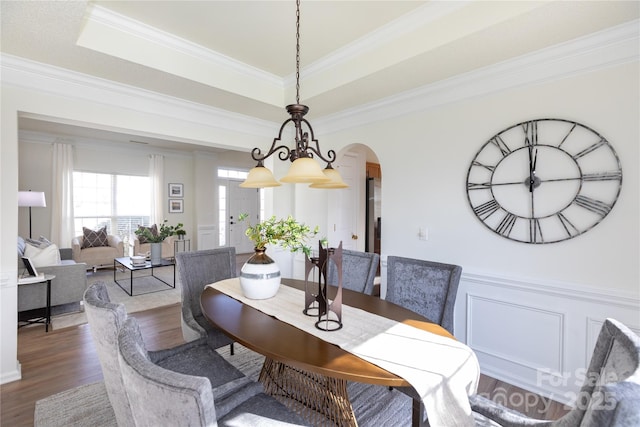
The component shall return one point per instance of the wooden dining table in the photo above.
(301, 369)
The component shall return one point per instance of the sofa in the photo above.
(97, 256)
(67, 289)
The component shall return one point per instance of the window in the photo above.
(121, 202)
(222, 215)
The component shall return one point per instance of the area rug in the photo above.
(148, 293)
(88, 405)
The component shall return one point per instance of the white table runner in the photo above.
(443, 371)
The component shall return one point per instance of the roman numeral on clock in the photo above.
(486, 209)
(535, 231)
(506, 225)
(482, 165)
(595, 206)
(590, 149)
(604, 176)
(567, 225)
(530, 130)
(502, 146)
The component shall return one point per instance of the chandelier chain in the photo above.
(297, 51)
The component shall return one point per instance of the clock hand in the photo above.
(530, 167)
(533, 160)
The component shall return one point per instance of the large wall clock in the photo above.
(544, 181)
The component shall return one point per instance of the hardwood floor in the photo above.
(59, 360)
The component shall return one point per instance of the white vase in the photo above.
(260, 276)
(156, 253)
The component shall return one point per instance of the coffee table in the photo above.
(305, 369)
(125, 263)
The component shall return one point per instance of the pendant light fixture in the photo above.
(303, 169)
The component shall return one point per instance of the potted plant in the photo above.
(181, 233)
(260, 275)
(155, 236)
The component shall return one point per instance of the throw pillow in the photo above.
(43, 257)
(153, 229)
(94, 239)
(41, 243)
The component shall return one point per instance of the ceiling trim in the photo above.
(119, 36)
(407, 23)
(611, 47)
(607, 48)
(24, 73)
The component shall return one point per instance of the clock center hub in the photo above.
(532, 182)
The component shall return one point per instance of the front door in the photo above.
(242, 200)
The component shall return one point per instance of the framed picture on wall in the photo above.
(176, 206)
(176, 190)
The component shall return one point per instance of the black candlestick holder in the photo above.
(316, 303)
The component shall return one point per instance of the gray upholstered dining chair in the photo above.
(193, 358)
(426, 287)
(358, 271)
(161, 397)
(196, 270)
(610, 394)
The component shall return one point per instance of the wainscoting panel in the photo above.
(207, 238)
(506, 341)
(538, 336)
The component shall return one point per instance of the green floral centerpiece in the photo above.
(288, 233)
(154, 235)
(260, 275)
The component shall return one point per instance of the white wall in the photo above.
(424, 156)
(524, 308)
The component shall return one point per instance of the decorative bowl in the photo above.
(138, 260)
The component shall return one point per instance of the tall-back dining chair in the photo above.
(610, 394)
(358, 271)
(426, 287)
(105, 320)
(196, 270)
(192, 358)
(160, 397)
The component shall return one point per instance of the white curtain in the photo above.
(156, 175)
(62, 224)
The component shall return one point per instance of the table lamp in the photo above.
(29, 199)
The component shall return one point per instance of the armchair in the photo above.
(97, 256)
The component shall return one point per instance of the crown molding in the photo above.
(607, 48)
(162, 38)
(611, 47)
(430, 12)
(31, 75)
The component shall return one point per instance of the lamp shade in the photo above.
(305, 170)
(31, 199)
(260, 177)
(335, 180)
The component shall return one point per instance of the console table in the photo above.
(30, 280)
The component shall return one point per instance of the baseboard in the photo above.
(10, 376)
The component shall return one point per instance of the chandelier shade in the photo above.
(304, 166)
(305, 170)
(260, 177)
(335, 180)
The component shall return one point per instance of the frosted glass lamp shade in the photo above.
(305, 170)
(260, 177)
(335, 180)
(31, 199)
